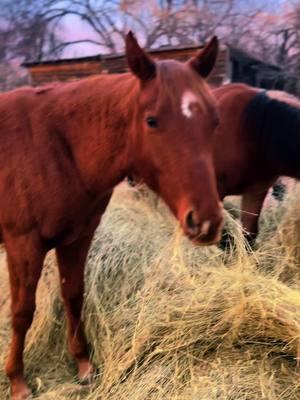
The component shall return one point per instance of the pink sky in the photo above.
(75, 30)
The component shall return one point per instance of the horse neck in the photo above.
(278, 133)
(98, 116)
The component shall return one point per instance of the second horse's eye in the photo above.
(152, 122)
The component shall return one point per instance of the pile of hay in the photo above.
(167, 320)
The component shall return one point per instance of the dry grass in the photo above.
(171, 321)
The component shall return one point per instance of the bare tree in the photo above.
(163, 22)
(275, 38)
(34, 29)
(25, 34)
(29, 33)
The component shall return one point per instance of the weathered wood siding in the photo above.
(41, 74)
(66, 70)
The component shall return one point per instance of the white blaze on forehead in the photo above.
(188, 98)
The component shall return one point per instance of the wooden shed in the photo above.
(246, 68)
(76, 68)
(233, 65)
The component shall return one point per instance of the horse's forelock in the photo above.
(175, 81)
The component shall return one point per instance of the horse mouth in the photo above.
(207, 240)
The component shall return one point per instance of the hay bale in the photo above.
(168, 320)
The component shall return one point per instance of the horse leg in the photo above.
(71, 262)
(25, 256)
(252, 203)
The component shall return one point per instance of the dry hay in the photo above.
(168, 320)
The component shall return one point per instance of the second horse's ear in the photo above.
(139, 62)
(205, 60)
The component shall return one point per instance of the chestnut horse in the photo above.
(257, 141)
(63, 149)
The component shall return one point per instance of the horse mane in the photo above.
(274, 117)
(284, 97)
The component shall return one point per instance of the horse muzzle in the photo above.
(203, 231)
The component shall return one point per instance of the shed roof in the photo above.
(99, 57)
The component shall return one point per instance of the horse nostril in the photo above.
(191, 223)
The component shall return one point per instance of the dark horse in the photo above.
(64, 148)
(257, 141)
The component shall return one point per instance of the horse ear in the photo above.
(138, 61)
(205, 60)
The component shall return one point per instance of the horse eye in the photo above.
(152, 122)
